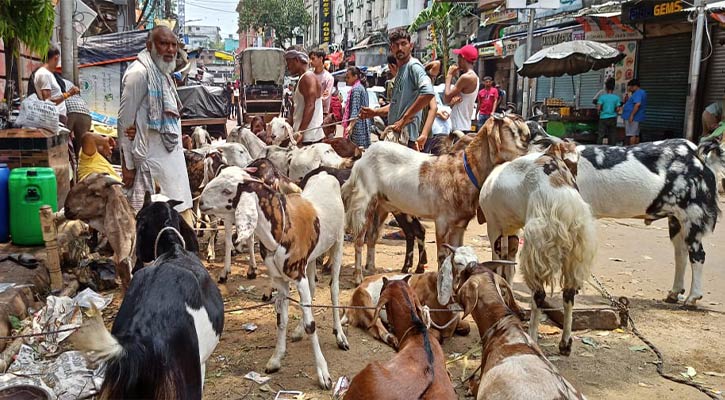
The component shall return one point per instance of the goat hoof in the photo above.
(325, 382)
(420, 269)
(463, 328)
(343, 345)
(691, 302)
(565, 348)
(270, 369)
(222, 279)
(251, 274)
(671, 298)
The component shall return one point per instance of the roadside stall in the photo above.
(573, 58)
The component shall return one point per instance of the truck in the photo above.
(262, 72)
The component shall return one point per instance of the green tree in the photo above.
(26, 21)
(444, 17)
(281, 15)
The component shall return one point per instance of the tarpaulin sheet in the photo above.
(111, 47)
(202, 102)
(263, 64)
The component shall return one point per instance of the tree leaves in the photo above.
(29, 21)
(284, 16)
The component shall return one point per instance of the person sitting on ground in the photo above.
(95, 151)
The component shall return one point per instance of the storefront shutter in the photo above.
(715, 88)
(663, 69)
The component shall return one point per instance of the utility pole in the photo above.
(529, 46)
(67, 38)
(694, 70)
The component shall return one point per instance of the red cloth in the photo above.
(486, 99)
(336, 107)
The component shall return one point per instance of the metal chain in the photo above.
(623, 305)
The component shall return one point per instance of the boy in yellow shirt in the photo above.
(94, 154)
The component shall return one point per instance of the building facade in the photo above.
(197, 36)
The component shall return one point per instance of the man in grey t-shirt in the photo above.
(412, 91)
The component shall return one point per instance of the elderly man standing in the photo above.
(307, 110)
(151, 152)
(412, 91)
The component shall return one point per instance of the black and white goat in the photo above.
(168, 324)
(293, 231)
(664, 179)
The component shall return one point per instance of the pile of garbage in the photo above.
(41, 367)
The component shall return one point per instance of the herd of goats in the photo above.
(299, 203)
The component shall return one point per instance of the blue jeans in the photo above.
(482, 118)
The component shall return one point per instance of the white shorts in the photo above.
(631, 128)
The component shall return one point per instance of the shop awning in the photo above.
(223, 56)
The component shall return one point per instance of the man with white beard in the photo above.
(149, 115)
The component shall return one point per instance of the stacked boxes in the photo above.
(38, 148)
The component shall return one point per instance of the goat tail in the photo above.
(559, 239)
(93, 339)
(357, 200)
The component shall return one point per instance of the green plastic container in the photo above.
(30, 189)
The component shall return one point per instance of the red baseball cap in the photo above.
(468, 52)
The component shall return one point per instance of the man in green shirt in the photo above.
(412, 91)
(607, 104)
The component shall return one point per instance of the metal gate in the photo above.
(715, 88)
(663, 70)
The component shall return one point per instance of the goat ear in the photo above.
(381, 302)
(468, 297)
(452, 249)
(510, 300)
(445, 281)
(146, 199)
(406, 278)
(246, 216)
(251, 170)
(174, 203)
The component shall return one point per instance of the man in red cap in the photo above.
(464, 91)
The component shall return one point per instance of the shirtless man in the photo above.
(465, 88)
(307, 111)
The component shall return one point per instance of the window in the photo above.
(402, 4)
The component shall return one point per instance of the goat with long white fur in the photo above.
(393, 178)
(650, 181)
(293, 231)
(538, 193)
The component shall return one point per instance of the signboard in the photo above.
(555, 38)
(493, 17)
(509, 47)
(487, 51)
(646, 10)
(565, 6)
(101, 89)
(325, 21)
(537, 4)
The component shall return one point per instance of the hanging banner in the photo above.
(325, 21)
(537, 4)
(607, 29)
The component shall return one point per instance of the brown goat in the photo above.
(98, 201)
(509, 354)
(424, 286)
(418, 370)
(344, 147)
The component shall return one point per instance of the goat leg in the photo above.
(537, 303)
(252, 271)
(565, 343)
(336, 261)
(282, 304)
(419, 233)
(323, 375)
(228, 244)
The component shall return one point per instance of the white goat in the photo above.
(247, 138)
(537, 192)
(297, 162)
(200, 137)
(393, 178)
(293, 231)
(655, 180)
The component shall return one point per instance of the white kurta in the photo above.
(146, 154)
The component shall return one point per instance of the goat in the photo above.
(509, 356)
(390, 177)
(424, 286)
(344, 147)
(168, 324)
(200, 137)
(297, 162)
(418, 370)
(537, 192)
(713, 155)
(664, 179)
(293, 231)
(186, 142)
(264, 170)
(244, 136)
(146, 254)
(98, 201)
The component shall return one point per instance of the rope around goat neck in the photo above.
(167, 228)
